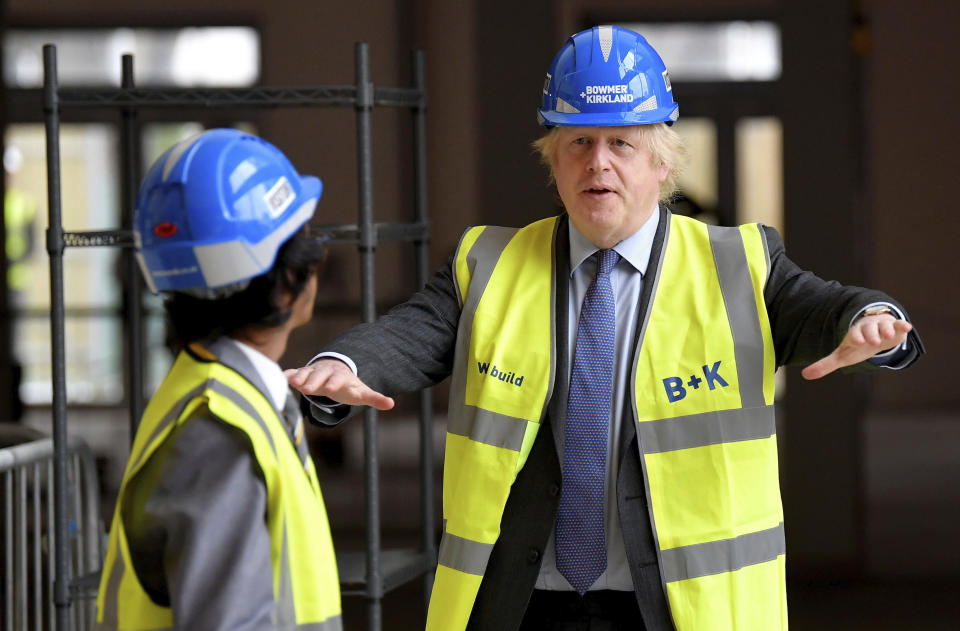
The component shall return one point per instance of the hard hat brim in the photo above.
(312, 188)
(550, 118)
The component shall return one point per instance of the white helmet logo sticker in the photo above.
(279, 197)
(607, 94)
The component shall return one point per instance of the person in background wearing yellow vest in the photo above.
(19, 214)
(611, 451)
(220, 523)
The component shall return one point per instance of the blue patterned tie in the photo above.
(580, 537)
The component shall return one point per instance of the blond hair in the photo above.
(665, 146)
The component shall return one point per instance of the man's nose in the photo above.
(598, 159)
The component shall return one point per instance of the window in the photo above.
(715, 51)
(90, 190)
(197, 56)
(759, 170)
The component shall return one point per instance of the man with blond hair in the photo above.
(611, 450)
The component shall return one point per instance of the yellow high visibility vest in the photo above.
(306, 587)
(702, 388)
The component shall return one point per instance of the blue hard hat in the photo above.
(214, 209)
(606, 76)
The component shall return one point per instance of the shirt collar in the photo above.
(269, 371)
(635, 248)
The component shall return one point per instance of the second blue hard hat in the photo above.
(214, 210)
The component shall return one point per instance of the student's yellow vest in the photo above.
(306, 587)
(702, 388)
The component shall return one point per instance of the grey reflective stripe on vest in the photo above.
(170, 417)
(111, 619)
(483, 255)
(488, 427)
(465, 555)
(237, 399)
(766, 252)
(708, 428)
(286, 612)
(740, 301)
(726, 555)
(286, 609)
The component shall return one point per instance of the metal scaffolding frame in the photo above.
(374, 571)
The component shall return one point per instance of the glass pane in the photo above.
(93, 360)
(760, 171)
(715, 51)
(158, 356)
(89, 192)
(196, 56)
(698, 183)
(89, 199)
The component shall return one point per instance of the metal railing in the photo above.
(29, 538)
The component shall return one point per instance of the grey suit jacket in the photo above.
(412, 346)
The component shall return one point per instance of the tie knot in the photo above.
(606, 259)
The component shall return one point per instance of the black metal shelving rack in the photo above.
(370, 573)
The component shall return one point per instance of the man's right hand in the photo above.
(333, 379)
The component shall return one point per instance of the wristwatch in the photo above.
(877, 310)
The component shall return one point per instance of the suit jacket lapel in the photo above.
(558, 402)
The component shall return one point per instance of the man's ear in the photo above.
(663, 170)
(283, 298)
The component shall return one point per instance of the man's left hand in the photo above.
(868, 336)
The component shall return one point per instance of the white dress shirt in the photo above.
(627, 281)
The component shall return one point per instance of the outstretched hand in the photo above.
(868, 336)
(333, 379)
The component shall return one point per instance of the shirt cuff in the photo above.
(331, 355)
(327, 404)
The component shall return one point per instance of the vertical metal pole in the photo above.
(76, 532)
(37, 544)
(8, 546)
(422, 246)
(51, 544)
(133, 323)
(368, 242)
(51, 113)
(23, 612)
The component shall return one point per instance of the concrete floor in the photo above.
(813, 607)
(910, 508)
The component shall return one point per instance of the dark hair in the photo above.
(190, 318)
